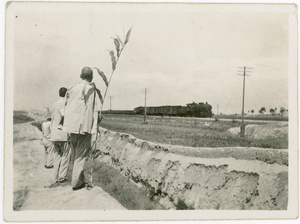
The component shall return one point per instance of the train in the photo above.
(190, 110)
(128, 112)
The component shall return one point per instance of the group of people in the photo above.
(68, 133)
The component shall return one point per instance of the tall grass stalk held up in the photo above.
(120, 46)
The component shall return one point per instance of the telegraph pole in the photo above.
(145, 112)
(243, 102)
(110, 103)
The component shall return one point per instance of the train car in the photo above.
(130, 112)
(138, 110)
(190, 110)
(199, 109)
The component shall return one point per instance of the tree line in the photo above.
(272, 111)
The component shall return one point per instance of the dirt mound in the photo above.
(26, 132)
(263, 131)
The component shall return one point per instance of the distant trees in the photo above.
(262, 110)
(282, 109)
(272, 111)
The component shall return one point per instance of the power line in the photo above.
(145, 112)
(257, 92)
(260, 91)
(233, 95)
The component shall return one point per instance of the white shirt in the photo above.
(81, 106)
(46, 129)
(56, 134)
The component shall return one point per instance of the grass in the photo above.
(187, 132)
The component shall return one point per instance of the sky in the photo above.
(179, 53)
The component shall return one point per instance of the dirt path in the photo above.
(30, 177)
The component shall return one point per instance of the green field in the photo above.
(188, 131)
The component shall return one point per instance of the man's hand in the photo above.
(69, 139)
(99, 119)
(61, 123)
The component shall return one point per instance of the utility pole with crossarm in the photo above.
(242, 133)
(145, 109)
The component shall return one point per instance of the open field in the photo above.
(256, 117)
(194, 132)
(197, 132)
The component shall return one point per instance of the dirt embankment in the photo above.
(30, 177)
(201, 178)
(270, 130)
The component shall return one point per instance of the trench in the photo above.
(114, 183)
(121, 187)
(139, 179)
(184, 178)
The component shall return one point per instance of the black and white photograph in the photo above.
(131, 111)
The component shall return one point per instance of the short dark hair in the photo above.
(62, 91)
(88, 77)
(87, 74)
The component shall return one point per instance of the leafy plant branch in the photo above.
(120, 46)
(119, 49)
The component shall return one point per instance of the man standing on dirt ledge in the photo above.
(61, 151)
(46, 130)
(80, 120)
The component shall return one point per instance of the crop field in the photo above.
(197, 132)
